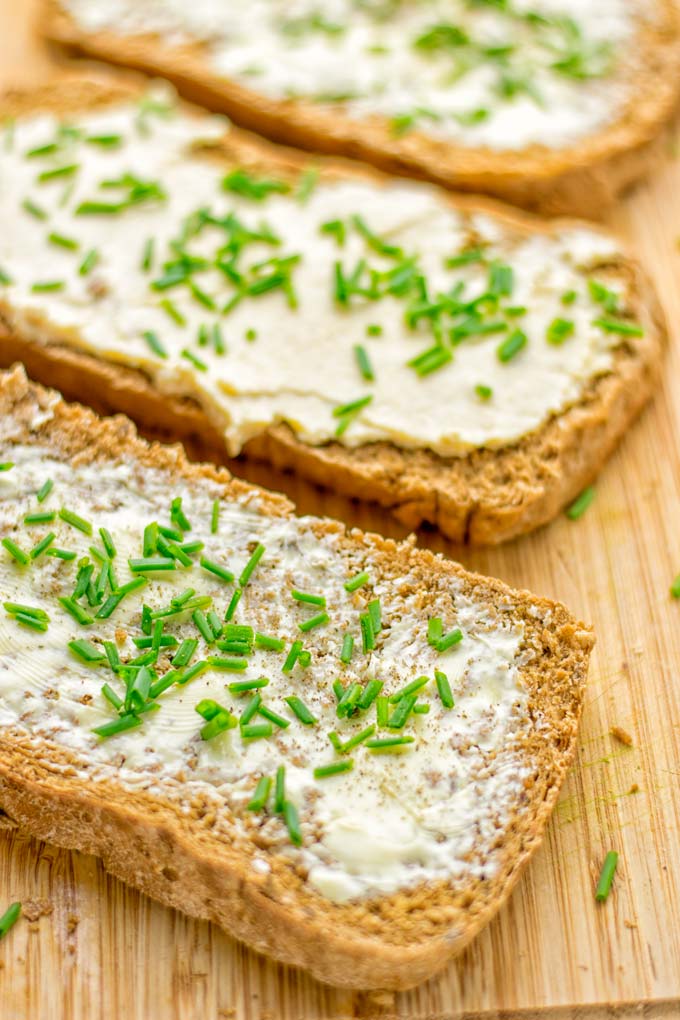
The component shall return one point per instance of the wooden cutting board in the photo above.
(93, 949)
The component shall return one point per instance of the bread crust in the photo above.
(483, 498)
(174, 855)
(583, 179)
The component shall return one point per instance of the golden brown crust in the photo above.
(582, 180)
(180, 859)
(483, 498)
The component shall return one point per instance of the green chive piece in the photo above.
(347, 648)
(41, 546)
(675, 588)
(240, 686)
(251, 709)
(348, 412)
(177, 515)
(112, 697)
(47, 286)
(312, 600)
(215, 517)
(15, 552)
(120, 725)
(367, 635)
(569, 297)
(620, 326)
(33, 209)
(314, 621)
(86, 651)
(185, 652)
(256, 731)
(274, 717)
(336, 742)
(261, 795)
(580, 504)
(232, 663)
(193, 671)
(9, 919)
(280, 789)
(200, 619)
(444, 688)
(401, 713)
(58, 173)
(107, 542)
(231, 608)
(62, 554)
(292, 820)
(483, 392)
(217, 569)
(292, 657)
(559, 330)
(44, 517)
(44, 490)
(151, 563)
(154, 343)
(511, 346)
(388, 744)
(31, 621)
(173, 312)
(247, 571)
(382, 707)
(370, 693)
(334, 768)
(17, 607)
(454, 637)
(338, 688)
(76, 521)
(357, 739)
(375, 613)
(356, 582)
(421, 709)
(364, 363)
(435, 630)
(147, 255)
(299, 709)
(349, 700)
(272, 644)
(63, 242)
(606, 876)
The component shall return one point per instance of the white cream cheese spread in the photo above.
(346, 309)
(426, 810)
(505, 76)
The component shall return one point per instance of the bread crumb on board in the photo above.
(33, 910)
(622, 735)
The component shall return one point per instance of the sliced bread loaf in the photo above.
(458, 363)
(553, 106)
(340, 749)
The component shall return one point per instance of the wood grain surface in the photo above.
(92, 949)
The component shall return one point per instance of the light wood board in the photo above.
(105, 952)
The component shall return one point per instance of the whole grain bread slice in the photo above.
(190, 854)
(582, 179)
(485, 497)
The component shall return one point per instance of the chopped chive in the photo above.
(299, 709)
(620, 326)
(364, 363)
(9, 919)
(58, 173)
(200, 619)
(195, 361)
(375, 613)
(120, 725)
(41, 546)
(444, 688)
(421, 709)
(17, 607)
(217, 569)
(193, 671)
(435, 630)
(251, 709)
(370, 693)
(356, 582)
(349, 699)
(312, 600)
(307, 183)
(173, 312)
(336, 742)
(219, 723)
(33, 209)
(274, 717)
(255, 731)
(292, 656)
(314, 621)
(395, 743)
(261, 795)
(402, 711)
(75, 521)
(483, 392)
(230, 663)
(76, 611)
(559, 330)
(357, 739)
(34, 622)
(47, 286)
(568, 297)
(43, 150)
(248, 685)
(63, 242)
(86, 651)
(382, 710)
(112, 697)
(105, 141)
(347, 648)
(373, 329)
(272, 644)
(580, 504)
(348, 412)
(247, 571)
(5, 278)
(511, 346)
(465, 258)
(164, 640)
(675, 588)
(215, 517)
(107, 542)
(606, 876)
(145, 564)
(154, 343)
(45, 517)
(334, 768)
(15, 552)
(185, 652)
(62, 554)
(338, 689)
(231, 608)
(430, 360)
(147, 255)
(280, 789)
(367, 635)
(292, 820)
(454, 637)
(44, 490)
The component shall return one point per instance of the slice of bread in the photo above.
(570, 149)
(369, 878)
(482, 462)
